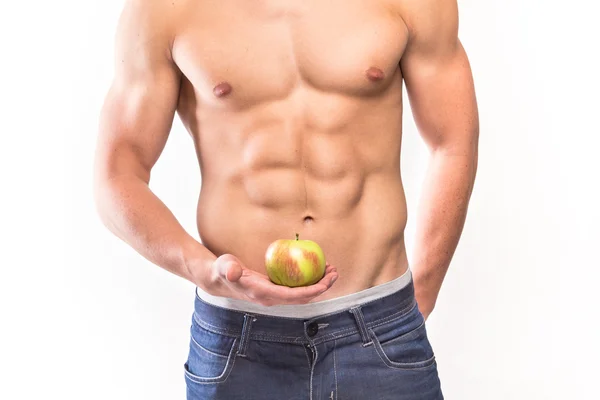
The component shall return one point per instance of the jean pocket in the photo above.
(211, 356)
(408, 350)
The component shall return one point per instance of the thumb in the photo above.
(234, 272)
(230, 268)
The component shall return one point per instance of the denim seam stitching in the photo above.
(312, 370)
(216, 380)
(245, 336)
(307, 356)
(216, 329)
(363, 328)
(277, 338)
(406, 366)
(329, 337)
(335, 370)
(268, 335)
(207, 350)
(360, 323)
(408, 335)
(393, 317)
(352, 330)
(399, 365)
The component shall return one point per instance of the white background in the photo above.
(84, 317)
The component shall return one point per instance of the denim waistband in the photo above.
(314, 330)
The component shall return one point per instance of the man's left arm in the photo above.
(442, 98)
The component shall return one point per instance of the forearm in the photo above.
(131, 211)
(442, 213)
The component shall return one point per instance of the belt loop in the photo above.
(245, 338)
(362, 326)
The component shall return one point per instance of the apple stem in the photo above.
(297, 235)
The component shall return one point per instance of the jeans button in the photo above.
(312, 329)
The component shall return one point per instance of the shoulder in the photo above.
(429, 22)
(145, 35)
(150, 22)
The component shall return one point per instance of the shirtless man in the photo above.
(295, 110)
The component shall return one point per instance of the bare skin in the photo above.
(295, 110)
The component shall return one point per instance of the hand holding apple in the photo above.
(229, 277)
(295, 262)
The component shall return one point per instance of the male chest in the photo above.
(262, 50)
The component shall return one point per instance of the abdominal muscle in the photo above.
(365, 242)
(286, 168)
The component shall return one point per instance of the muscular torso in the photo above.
(295, 108)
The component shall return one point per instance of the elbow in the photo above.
(111, 171)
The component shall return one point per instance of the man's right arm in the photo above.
(135, 122)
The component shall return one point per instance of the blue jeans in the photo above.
(374, 351)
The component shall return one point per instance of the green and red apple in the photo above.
(295, 262)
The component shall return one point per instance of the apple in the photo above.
(295, 262)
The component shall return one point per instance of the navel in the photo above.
(375, 74)
(222, 89)
(308, 219)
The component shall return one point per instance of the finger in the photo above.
(234, 272)
(258, 287)
(328, 268)
(328, 279)
(296, 295)
(259, 290)
(229, 268)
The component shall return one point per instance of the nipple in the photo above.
(375, 74)
(222, 89)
